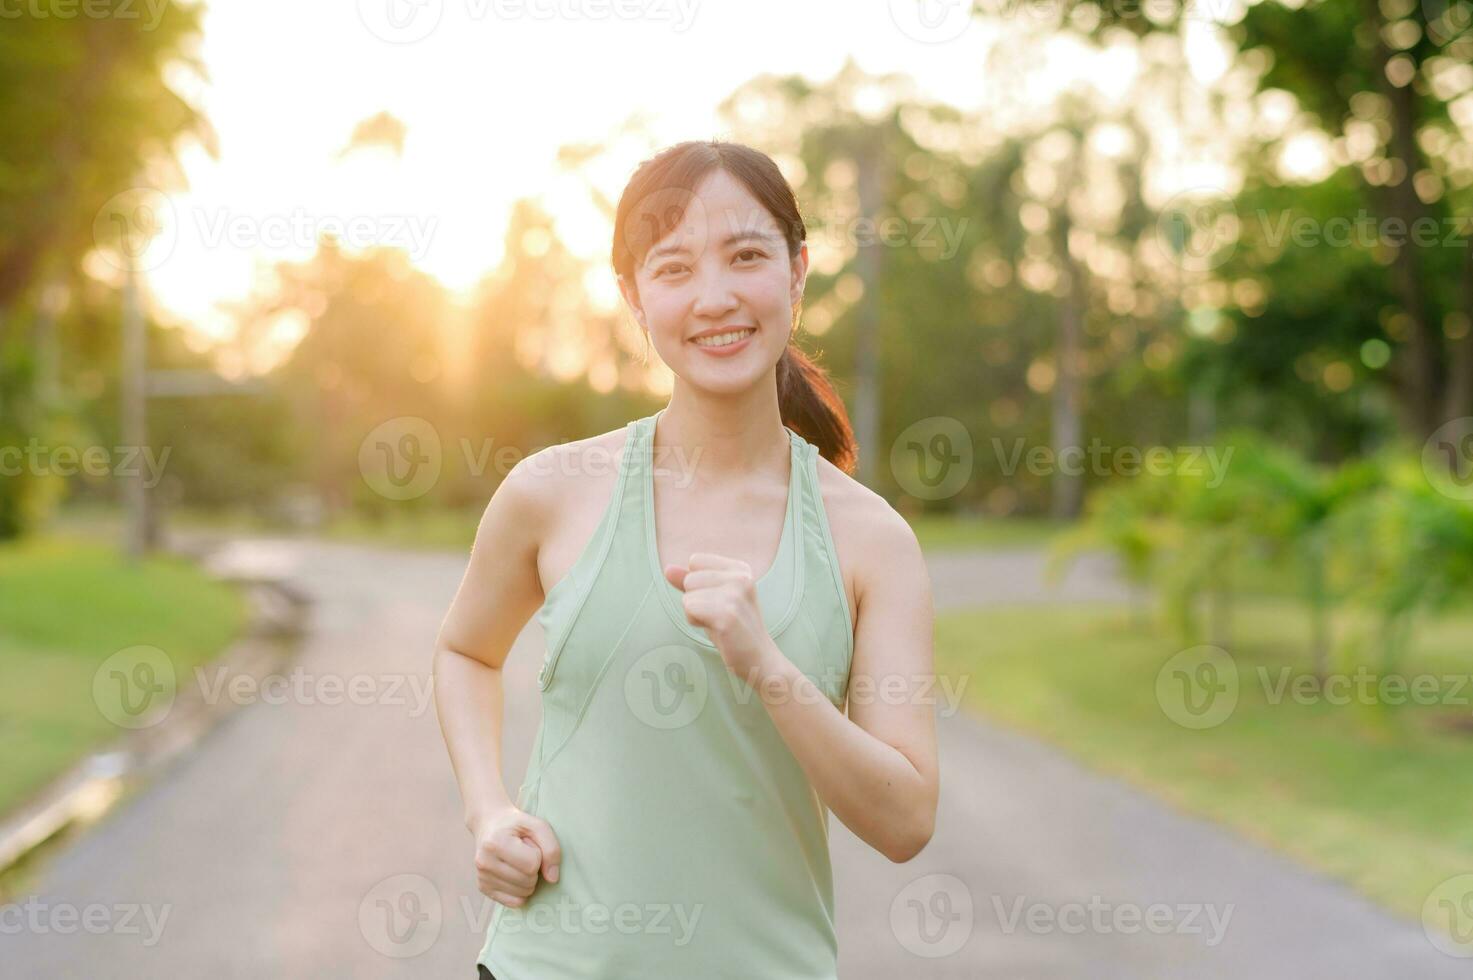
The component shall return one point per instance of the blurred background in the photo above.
(1153, 319)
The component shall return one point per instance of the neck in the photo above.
(722, 439)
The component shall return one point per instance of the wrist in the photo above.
(478, 816)
(773, 666)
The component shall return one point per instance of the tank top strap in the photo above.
(828, 601)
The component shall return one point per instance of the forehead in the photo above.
(729, 205)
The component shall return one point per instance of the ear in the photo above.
(630, 292)
(800, 275)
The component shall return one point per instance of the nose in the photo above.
(714, 295)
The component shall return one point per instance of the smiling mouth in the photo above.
(725, 339)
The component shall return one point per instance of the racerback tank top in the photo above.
(694, 847)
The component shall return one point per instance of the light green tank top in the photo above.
(694, 847)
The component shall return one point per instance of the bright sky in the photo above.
(489, 90)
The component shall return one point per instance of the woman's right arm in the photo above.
(497, 595)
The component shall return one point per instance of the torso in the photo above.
(749, 528)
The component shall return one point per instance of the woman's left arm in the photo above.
(876, 769)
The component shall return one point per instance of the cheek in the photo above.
(664, 308)
(769, 294)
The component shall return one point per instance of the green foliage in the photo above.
(26, 492)
(1411, 551)
(1374, 533)
(84, 106)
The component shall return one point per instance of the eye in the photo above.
(669, 268)
(750, 251)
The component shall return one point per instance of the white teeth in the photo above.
(722, 339)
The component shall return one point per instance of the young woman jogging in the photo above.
(738, 633)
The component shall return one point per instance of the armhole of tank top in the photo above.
(833, 553)
(598, 548)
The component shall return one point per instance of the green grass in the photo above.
(66, 605)
(1381, 804)
(950, 533)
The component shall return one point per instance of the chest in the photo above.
(744, 525)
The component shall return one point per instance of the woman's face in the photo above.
(723, 269)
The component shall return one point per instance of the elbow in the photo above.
(437, 659)
(443, 657)
(905, 846)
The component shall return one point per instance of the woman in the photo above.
(706, 631)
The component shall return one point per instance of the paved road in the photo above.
(316, 840)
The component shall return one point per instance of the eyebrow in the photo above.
(741, 236)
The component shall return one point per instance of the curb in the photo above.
(80, 795)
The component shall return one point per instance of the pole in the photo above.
(134, 418)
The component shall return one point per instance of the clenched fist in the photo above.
(721, 598)
(512, 846)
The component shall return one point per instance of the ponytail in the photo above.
(811, 407)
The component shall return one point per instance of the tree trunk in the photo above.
(1419, 375)
(873, 185)
(1459, 402)
(1066, 425)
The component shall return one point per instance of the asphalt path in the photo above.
(316, 833)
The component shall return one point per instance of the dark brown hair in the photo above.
(654, 202)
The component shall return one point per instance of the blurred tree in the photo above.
(547, 363)
(1388, 81)
(372, 352)
(86, 109)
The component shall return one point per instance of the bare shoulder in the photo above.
(545, 481)
(874, 542)
(557, 495)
